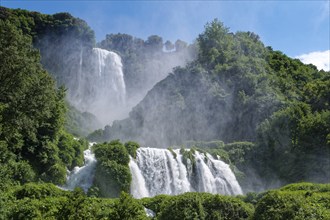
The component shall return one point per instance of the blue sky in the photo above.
(298, 28)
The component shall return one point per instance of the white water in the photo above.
(138, 179)
(100, 87)
(82, 176)
(158, 171)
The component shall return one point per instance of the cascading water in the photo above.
(82, 176)
(110, 73)
(160, 171)
(99, 87)
(138, 179)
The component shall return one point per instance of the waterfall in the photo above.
(82, 176)
(110, 74)
(138, 179)
(100, 87)
(160, 171)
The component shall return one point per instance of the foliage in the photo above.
(37, 191)
(33, 143)
(33, 110)
(80, 124)
(60, 38)
(54, 35)
(188, 158)
(300, 201)
(222, 95)
(238, 90)
(45, 201)
(157, 203)
(127, 208)
(170, 149)
(113, 151)
(198, 206)
(131, 148)
(71, 150)
(294, 144)
(96, 136)
(112, 172)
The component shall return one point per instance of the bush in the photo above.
(113, 150)
(297, 201)
(112, 171)
(128, 208)
(35, 208)
(38, 191)
(71, 150)
(205, 206)
(131, 148)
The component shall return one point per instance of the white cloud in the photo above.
(321, 59)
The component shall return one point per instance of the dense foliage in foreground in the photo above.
(34, 145)
(45, 201)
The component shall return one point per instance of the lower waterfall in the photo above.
(82, 176)
(161, 171)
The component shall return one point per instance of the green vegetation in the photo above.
(170, 149)
(34, 145)
(131, 148)
(71, 150)
(188, 158)
(32, 115)
(296, 201)
(45, 201)
(80, 124)
(202, 206)
(112, 175)
(274, 109)
(59, 37)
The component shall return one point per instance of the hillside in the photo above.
(240, 90)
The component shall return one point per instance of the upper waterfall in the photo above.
(99, 85)
(160, 171)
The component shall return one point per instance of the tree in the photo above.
(128, 208)
(154, 43)
(180, 45)
(32, 109)
(169, 45)
(214, 44)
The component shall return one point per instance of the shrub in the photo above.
(112, 171)
(131, 148)
(297, 201)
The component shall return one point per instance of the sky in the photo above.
(300, 29)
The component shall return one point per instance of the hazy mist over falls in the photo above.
(108, 82)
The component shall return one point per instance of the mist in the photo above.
(106, 80)
(163, 94)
